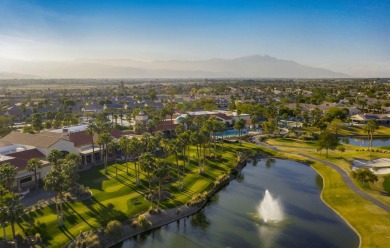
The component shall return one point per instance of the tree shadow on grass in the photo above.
(102, 213)
(69, 207)
(66, 232)
(93, 178)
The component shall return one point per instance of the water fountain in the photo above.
(270, 209)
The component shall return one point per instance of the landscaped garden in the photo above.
(120, 198)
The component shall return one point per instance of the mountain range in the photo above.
(256, 66)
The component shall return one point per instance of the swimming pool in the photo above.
(231, 133)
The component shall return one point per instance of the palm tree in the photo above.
(54, 156)
(173, 148)
(3, 211)
(169, 109)
(161, 172)
(7, 174)
(58, 181)
(184, 142)
(112, 147)
(105, 139)
(147, 164)
(115, 116)
(239, 125)
(33, 165)
(91, 129)
(124, 145)
(222, 129)
(135, 150)
(15, 209)
(195, 139)
(370, 128)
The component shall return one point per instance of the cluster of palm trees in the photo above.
(61, 178)
(11, 207)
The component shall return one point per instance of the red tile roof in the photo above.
(20, 159)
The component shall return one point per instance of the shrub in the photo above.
(86, 239)
(38, 238)
(197, 199)
(234, 171)
(114, 228)
(142, 221)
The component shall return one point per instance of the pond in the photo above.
(363, 141)
(232, 218)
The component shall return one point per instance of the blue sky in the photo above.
(345, 35)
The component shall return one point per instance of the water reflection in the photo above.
(199, 220)
(240, 178)
(319, 182)
(269, 162)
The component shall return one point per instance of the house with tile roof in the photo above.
(19, 156)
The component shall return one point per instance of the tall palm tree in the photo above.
(112, 147)
(7, 174)
(134, 150)
(184, 141)
(54, 157)
(239, 125)
(147, 164)
(33, 165)
(173, 148)
(370, 128)
(15, 210)
(104, 139)
(91, 129)
(124, 145)
(3, 211)
(196, 140)
(58, 181)
(161, 172)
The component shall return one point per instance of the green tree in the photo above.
(327, 140)
(36, 122)
(7, 174)
(341, 149)
(335, 126)
(239, 125)
(91, 130)
(161, 172)
(59, 181)
(3, 211)
(134, 150)
(370, 129)
(33, 165)
(105, 139)
(14, 209)
(112, 147)
(124, 146)
(54, 157)
(364, 175)
(147, 164)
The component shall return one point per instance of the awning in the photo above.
(89, 151)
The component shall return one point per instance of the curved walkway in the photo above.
(347, 180)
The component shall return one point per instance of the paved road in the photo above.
(36, 195)
(346, 178)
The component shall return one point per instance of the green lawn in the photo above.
(119, 198)
(386, 183)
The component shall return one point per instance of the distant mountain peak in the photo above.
(252, 66)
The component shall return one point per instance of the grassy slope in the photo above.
(119, 198)
(359, 131)
(343, 160)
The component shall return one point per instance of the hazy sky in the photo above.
(348, 36)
